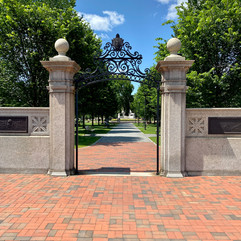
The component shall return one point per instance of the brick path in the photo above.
(114, 208)
(133, 156)
(119, 208)
(123, 149)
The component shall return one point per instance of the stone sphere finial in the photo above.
(61, 46)
(173, 45)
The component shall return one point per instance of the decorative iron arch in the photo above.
(117, 62)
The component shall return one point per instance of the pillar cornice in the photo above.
(61, 65)
(163, 66)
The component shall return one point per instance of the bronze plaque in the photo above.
(224, 125)
(13, 124)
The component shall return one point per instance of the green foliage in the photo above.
(162, 52)
(210, 34)
(29, 29)
(123, 89)
(145, 101)
(98, 99)
(106, 98)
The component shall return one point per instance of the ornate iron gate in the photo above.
(115, 62)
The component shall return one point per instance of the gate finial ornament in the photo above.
(62, 47)
(117, 42)
(173, 46)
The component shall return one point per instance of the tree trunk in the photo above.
(84, 121)
(92, 117)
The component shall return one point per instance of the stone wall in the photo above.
(211, 154)
(26, 152)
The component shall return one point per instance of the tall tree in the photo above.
(29, 29)
(99, 99)
(210, 34)
(145, 102)
(123, 89)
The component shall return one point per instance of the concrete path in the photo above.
(123, 150)
(124, 132)
(117, 208)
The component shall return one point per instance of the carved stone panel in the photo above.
(196, 126)
(39, 124)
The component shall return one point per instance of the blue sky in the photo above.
(138, 22)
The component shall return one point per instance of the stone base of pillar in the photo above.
(175, 174)
(61, 173)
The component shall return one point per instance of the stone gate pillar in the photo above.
(61, 100)
(173, 70)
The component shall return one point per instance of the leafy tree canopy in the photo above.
(145, 100)
(210, 34)
(29, 29)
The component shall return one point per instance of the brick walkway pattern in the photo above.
(125, 148)
(133, 156)
(114, 208)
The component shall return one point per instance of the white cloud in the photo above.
(104, 23)
(163, 1)
(115, 18)
(172, 12)
(103, 36)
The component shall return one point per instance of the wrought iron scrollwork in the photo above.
(117, 61)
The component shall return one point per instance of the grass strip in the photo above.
(87, 140)
(150, 128)
(96, 129)
(154, 139)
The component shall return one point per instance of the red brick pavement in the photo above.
(114, 208)
(136, 156)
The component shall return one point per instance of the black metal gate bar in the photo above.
(76, 128)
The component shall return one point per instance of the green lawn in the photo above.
(96, 129)
(89, 140)
(150, 128)
(154, 140)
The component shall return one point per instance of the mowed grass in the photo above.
(154, 139)
(87, 136)
(96, 129)
(87, 140)
(150, 129)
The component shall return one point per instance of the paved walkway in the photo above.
(119, 208)
(124, 149)
(124, 132)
